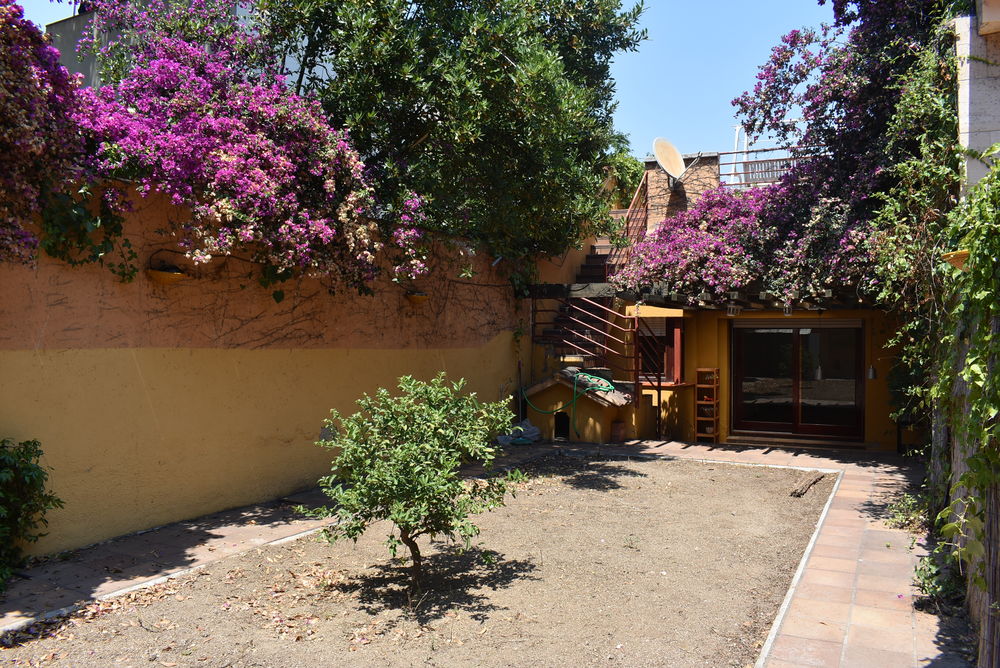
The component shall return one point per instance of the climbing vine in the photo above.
(79, 230)
(970, 352)
(910, 228)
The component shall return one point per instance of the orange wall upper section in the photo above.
(53, 306)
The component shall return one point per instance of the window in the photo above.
(802, 380)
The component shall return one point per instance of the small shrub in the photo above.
(939, 581)
(909, 512)
(398, 460)
(23, 502)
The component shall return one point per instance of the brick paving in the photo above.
(850, 605)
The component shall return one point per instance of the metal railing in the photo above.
(761, 166)
(650, 346)
(636, 220)
(591, 330)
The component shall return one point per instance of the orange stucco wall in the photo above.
(563, 268)
(156, 403)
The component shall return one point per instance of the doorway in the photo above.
(799, 380)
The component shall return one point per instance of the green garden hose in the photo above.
(598, 385)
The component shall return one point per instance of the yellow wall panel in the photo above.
(141, 437)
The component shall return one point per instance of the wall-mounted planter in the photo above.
(417, 298)
(166, 276)
(956, 259)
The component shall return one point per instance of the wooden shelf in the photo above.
(706, 400)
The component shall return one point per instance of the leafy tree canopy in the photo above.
(497, 112)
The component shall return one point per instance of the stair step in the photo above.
(592, 277)
(563, 320)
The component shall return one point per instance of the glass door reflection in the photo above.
(765, 384)
(829, 370)
(798, 380)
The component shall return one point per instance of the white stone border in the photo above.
(780, 617)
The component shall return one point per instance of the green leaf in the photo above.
(950, 530)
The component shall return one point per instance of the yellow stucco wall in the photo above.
(155, 403)
(141, 437)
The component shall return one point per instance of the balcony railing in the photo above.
(759, 167)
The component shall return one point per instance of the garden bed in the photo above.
(642, 562)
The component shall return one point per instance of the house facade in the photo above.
(749, 371)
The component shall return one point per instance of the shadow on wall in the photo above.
(671, 416)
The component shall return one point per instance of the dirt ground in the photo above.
(610, 562)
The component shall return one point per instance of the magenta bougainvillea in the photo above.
(259, 168)
(830, 95)
(735, 240)
(39, 144)
(196, 108)
(706, 248)
(201, 114)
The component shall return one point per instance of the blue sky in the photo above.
(699, 56)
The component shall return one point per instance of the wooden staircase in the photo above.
(586, 331)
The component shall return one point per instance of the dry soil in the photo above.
(595, 562)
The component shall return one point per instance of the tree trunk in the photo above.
(415, 570)
(989, 633)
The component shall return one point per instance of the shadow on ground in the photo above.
(955, 642)
(454, 578)
(71, 579)
(600, 473)
(858, 457)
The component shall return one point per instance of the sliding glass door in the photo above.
(799, 380)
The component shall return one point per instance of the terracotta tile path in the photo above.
(850, 604)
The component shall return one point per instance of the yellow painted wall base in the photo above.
(141, 437)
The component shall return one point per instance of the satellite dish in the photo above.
(668, 157)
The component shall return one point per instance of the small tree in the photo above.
(398, 459)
